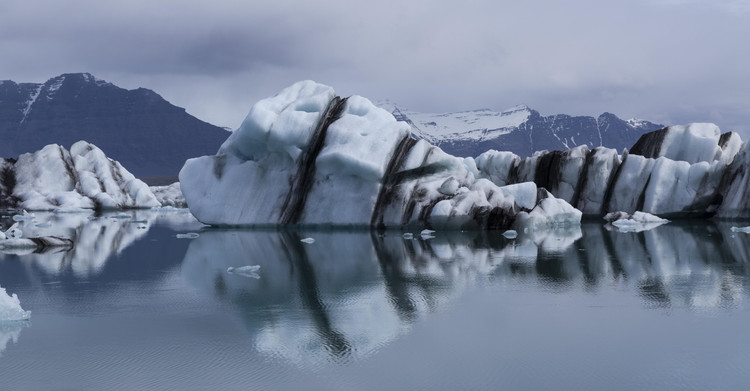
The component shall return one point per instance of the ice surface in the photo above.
(10, 308)
(189, 235)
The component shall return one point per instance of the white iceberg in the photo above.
(10, 308)
(83, 177)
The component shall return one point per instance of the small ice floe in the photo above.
(250, 271)
(189, 235)
(23, 217)
(637, 222)
(745, 230)
(10, 308)
(427, 234)
(408, 235)
(307, 240)
(510, 234)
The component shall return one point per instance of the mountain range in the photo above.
(138, 128)
(520, 130)
(151, 137)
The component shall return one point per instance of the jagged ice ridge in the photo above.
(307, 156)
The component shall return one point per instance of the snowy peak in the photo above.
(519, 129)
(463, 125)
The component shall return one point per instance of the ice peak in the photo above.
(517, 108)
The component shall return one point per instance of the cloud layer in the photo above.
(670, 61)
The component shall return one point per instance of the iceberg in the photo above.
(309, 157)
(10, 308)
(169, 196)
(83, 177)
(679, 171)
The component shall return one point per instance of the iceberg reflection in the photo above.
(347, 294)
(10, 331)
(95, 238)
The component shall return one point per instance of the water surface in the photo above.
(132, 306)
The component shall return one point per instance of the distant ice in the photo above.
(745, 230)
(189, 235)
(308, 240)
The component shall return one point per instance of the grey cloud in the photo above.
(663, 60)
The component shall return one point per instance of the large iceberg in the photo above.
(679, 171)
(307, 156)
(83, 177)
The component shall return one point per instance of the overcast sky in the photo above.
(668, 61)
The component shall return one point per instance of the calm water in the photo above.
(134, 307)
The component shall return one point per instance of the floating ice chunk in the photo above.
(307, 240)
(408, 235)
(549, 212)
(23, 217)
(510, 234)
(10, 308)
(745, 230)
(427, 234)
(122, 215)
(250, 271)
(637, 222)
(189, 235)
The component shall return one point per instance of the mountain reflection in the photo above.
(350, 293)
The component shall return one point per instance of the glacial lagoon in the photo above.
(134, 306)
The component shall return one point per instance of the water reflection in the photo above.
(10, 332)
(349, 293)
(96, 238)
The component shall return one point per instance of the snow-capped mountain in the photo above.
(520, 130)
(147, 134)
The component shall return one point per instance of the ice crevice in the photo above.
(294, 204)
